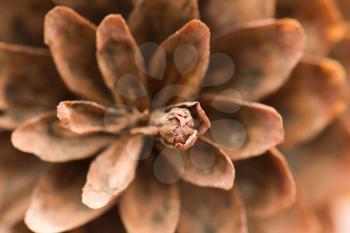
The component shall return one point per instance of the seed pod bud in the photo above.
(179, 126)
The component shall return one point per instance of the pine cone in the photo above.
(149, 104)
(320, 165)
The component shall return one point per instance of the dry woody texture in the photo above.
(174, 116)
